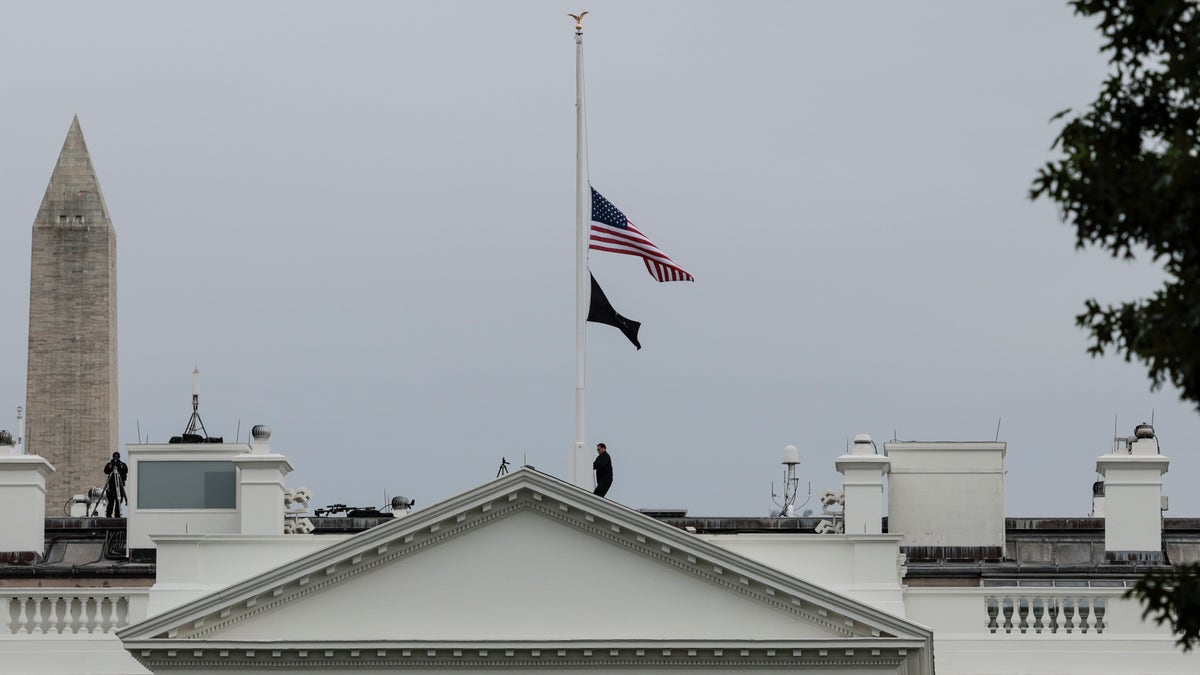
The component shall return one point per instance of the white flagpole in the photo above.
(578, 465)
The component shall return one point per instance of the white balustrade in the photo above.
(69, 611)
(1045, 612)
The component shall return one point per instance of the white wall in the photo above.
(946, 494)
(864, 567)
(190, 566)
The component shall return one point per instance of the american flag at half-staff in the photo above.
(612, 232)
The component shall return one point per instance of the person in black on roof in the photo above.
(114, 486)
(603, 468)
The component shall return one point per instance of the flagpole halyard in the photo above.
(578, 468)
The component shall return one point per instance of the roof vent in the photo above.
(863, 445)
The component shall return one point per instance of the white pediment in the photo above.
(525, 576)
(522, 564)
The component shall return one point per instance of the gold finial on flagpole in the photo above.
(578, 21)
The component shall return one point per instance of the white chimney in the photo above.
(863, 487)
(260, 485)
(946, 493)
(23, 502)
(1133, 503)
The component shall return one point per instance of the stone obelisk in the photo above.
(71, 400)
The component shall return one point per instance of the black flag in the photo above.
(601, 311)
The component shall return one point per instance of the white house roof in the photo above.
(526, 571)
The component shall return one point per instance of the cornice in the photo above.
(528, 655)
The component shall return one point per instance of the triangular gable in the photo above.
(444, 576)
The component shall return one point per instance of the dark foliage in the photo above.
(1173, 596)
(1128, 180)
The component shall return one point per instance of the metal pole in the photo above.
(578, 467)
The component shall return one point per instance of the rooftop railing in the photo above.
(70, 611)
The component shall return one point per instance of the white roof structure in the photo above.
(527, 572)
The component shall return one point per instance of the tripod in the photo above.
(114, 492)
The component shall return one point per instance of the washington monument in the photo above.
(72, 378)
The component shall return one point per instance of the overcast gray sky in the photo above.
(358, 220)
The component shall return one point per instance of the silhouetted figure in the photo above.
(114, 486)
(602, 465)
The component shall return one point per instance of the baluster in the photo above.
(122, 611)
(91, 612)
(68, 614)
(54, 620)
(1053, 612)
(1038, 610)
(98, 618)
(102, 610)
(1068, 614)
(64, 615)
(993, 610)
(10, 617)
(36, 622)
(1084, 609)
(75, 609)
(111, 618)
(1023, 613)
(23, 615)
(72, 613)
(1100, 607)
(1008, 614)
(83, 628)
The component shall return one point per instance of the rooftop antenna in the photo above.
(791, 483)
(20, 431)
(194, 425)
(139, 430)
(998, 420)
